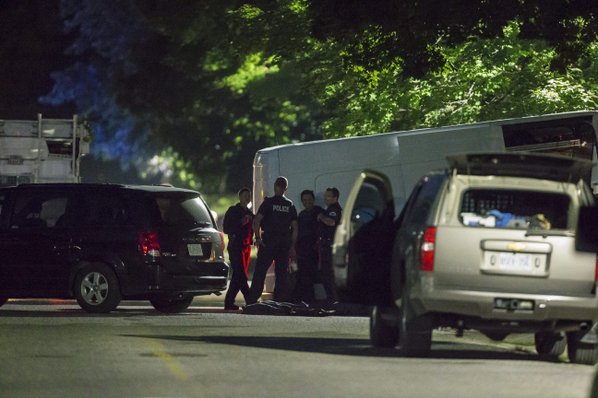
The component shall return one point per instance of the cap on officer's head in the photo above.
(281, 182)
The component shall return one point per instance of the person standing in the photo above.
(238, 226)
(275, 229)
(327, 223)
(307, 248)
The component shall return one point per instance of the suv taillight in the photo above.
(596, 271)
(149, 243)
(427, 248)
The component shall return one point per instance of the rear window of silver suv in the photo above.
(511, 208)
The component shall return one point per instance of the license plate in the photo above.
(511, 261)
(194, 249)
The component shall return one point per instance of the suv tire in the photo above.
(97, 289)
(171, 305)
(415, 332)
(582, 353)
(384, 332)
(549, 345)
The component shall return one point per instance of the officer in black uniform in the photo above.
(237, 224)
(275, 229)
(307, 248)
(327, 223)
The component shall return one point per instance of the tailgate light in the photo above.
(427, 248)
(149, 243)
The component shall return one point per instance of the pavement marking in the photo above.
(175, 367)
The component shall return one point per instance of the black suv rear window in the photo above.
(514, 209)
(179, 209)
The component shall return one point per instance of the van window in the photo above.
(519, 209)
(38, 210)
(103, 209)
(573, 137)
(179, 209)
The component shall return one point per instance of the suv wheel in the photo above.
(384, 330)
(97, 289)
(171, 305)
(415, 332)
(583, 353)
(3, 300)
(550, 345)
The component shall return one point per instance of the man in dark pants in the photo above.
(275, 229)
(327, 223)
(307, 248)
(238, 226)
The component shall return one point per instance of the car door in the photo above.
(414, 221)
(35, 244)
(363, 242)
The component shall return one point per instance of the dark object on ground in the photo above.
(270, 307)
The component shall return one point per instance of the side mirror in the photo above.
(586, 235)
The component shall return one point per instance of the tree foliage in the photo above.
(203, 85)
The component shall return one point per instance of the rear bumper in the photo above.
(426, 298)
(205, 279)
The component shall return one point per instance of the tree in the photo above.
(417, 31)
(483, 79)
(205, 84)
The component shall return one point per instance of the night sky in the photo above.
(32, 46)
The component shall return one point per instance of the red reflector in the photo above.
(596, 271)
(427, 250)
(148, 243)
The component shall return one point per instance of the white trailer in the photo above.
(404, 156)
(42, 150)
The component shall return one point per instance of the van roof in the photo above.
(108, 186)
(501, 122)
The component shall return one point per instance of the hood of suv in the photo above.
(528, 165)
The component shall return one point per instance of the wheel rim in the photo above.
(94, 288)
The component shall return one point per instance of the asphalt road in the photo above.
(54, 349)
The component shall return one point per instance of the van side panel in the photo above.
(420, 153)
(321, 164)
(265, 170)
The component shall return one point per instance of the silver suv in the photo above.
(488, 244)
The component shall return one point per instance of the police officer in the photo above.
(238, 226)
(327, 223)
(275, 229)
(307, 248)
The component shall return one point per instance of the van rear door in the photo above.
(189, 241)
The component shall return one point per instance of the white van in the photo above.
(404, 156)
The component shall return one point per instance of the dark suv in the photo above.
(101, 243)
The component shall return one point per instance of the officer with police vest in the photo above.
(327, 223)
(275, 229)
